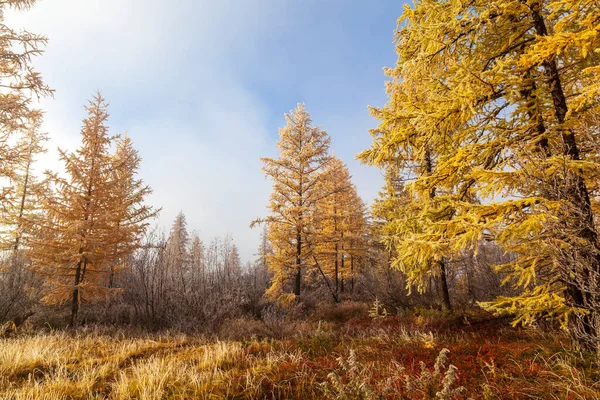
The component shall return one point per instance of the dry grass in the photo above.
(361, 358)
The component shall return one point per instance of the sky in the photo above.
(201, 87)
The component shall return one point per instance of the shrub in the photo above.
(356, 381)
(340, 312)
(243, 328)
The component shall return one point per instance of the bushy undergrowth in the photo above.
(417, 356)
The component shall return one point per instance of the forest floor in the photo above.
(412, 357)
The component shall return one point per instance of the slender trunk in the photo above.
(342, 271)
(22, 205)
(331, 290)
(352, 275)
(147, 301)
(298, 279)
(111, 277)
(342, 265)
(337, 272)
(80, 270)
(337, 267)
(444, 282)
(442, 264)
(531, 100)
(75, 297)
(84, 269)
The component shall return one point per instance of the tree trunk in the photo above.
(111, 277)
(578, 192)
(331, 290)
(444, 286)
(442, 264)
(298, 280)
(75, 299)
(352, 275)
(22, 205)
(337, 273)
(342, 268)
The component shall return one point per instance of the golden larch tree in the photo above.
(297, 177)
(74, 246)
(131, 215)
(20, 211)
(22, 207)
(20, 82)
(502, 93)
(341, 224)
(419, 253)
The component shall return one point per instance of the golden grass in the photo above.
(311, 364)
(90, 366)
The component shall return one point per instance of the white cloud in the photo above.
(163, 68)
(174, 75)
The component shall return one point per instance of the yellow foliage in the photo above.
(92, 220)
(297, 177)
(492, 115)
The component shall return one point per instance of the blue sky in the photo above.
(201, 87)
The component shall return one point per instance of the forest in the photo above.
(474, 274)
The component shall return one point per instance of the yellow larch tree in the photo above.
(356, 240)
(297, 177)
(407, 212)
(21, 210)
(341, 225)
(23, 202)
(131, 215)
(501, 92)
(389, 202)
(387, 207)
(90, 220)
(20, 82)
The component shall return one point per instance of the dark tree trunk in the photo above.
(337, 273)
(111, 277)
(342, 269)
(22, 205)
(578, 191)
(444, 283)
(298, 280)
(352, 275)
(442, 264)
(75, 299)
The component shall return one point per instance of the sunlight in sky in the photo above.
(201, 87)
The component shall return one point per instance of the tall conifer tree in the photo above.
(131, 215)
(341, 225)
(297, 177)
(19, 82)
(501, 94)
(90, 220)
